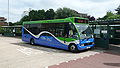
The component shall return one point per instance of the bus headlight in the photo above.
(92, 36)
(82, 44)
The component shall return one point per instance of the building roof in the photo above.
(12, 26)
(2, 19)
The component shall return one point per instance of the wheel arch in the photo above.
(31, 39)
(71, 44)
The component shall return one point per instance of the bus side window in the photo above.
(59, 29)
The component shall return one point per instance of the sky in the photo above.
(96, 8)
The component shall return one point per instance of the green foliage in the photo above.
(118, 10)
(66, 12)
(114, 17)
(1, 30)
(11, 24)
(91, 18)
(108, 14)
(25, 18)
(49, 14)
(18, 23)
(41, 14)
(33, 15)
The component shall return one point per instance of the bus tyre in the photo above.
(32, 42)
(73, 48)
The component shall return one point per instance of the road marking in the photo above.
(66, 61)
(74, 59)
(29, 51)
(81, 57)
(46, 67)
(57, 64)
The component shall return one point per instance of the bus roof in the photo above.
(69, 19)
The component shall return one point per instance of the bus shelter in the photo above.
(11, 30)
(106, 32)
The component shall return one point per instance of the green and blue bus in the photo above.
(73, 33)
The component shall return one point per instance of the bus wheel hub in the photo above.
(72, 47)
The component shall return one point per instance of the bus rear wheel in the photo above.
(73, 48)
(32, 42)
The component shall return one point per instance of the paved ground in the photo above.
(103, 60)
(108, 59)
(16, 54)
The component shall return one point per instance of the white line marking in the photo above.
(74, 59)
(46, 67)
(29, 51)
(81, 57)
(57, 64)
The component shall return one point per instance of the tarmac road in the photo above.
(17, 54)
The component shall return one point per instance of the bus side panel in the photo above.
(58, 44)
(26, 37)
(51, 41)
(40, 41)
(44, 40)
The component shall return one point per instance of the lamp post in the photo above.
(8, 13)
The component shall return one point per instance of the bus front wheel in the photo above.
(73, 48)
(32, 42)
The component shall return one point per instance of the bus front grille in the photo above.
(85, 44)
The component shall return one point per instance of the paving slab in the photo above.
(17, 54)
(108, 59)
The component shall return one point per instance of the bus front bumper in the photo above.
(85, 47)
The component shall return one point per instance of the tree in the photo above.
(66, 12)
(108, 14)
(17, 23)
(49, 14)
(91, 18)
(11, 24)
(1, 30)
(114, 17)
(25, 18)
(33, 15)
(41, 14)
(118, 10)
